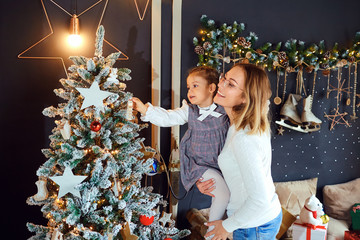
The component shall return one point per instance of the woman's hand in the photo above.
(206, 187)
(219, 232)
(139, 105)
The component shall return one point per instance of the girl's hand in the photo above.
(219, 232)
(139, 105)
(206, 187)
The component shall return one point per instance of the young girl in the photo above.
(203, 141)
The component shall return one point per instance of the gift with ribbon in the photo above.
(303, 231)
(352, 235)
(355, 216)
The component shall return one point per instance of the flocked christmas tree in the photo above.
(90, 186)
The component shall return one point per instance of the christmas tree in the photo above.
(90, 185)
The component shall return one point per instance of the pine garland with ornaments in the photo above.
(219, 44)
(90, 186)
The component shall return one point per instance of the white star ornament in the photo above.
(67, 183)
(94, 96)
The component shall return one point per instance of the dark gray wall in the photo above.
(27, 85)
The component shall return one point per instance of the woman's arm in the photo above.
(162, 117)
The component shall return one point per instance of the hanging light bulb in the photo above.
(74, 38)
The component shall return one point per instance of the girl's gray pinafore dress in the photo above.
(201, 144)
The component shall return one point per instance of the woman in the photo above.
(254, 210)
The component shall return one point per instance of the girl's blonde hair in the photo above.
(254, 112)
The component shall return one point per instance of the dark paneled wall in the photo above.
(27, 85)
(332, 156)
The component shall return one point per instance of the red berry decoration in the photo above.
(146, 220)
(168, 239)
(95, 126)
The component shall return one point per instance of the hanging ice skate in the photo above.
(289, 116)
(309, 120)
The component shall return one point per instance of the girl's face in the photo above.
(199, 91)
(231, 88)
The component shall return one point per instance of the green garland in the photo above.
(222, 44)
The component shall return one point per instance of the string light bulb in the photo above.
(74, 39)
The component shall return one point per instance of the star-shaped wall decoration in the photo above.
(58, 34)
(67, 182)
(94, 96)
(281, 131)
(337, 118)
(141, 16)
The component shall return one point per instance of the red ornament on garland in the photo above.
(146, 220)
(95, 126)
(168, 239)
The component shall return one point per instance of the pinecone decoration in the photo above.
(207, 45)
(327, 54)
(284, 63)
(247, 45)
(259, 51)
(199, 50)
(344, 62)
(282, 56)
(241, 41)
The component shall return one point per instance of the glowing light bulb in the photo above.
(74, 38)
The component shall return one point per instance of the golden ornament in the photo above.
(277, 100)
(325, 218)
(248, 55)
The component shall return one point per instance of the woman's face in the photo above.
(230, 88)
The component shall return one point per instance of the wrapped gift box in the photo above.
(308, 232)
(355, 216)
(287, 220)
(352, 235)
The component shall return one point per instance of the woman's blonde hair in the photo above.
(254, 112)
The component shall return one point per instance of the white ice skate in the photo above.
(289, 117)
(309, 120)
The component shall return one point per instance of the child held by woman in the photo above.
(203, 141)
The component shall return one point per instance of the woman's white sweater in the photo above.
(245, 162)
